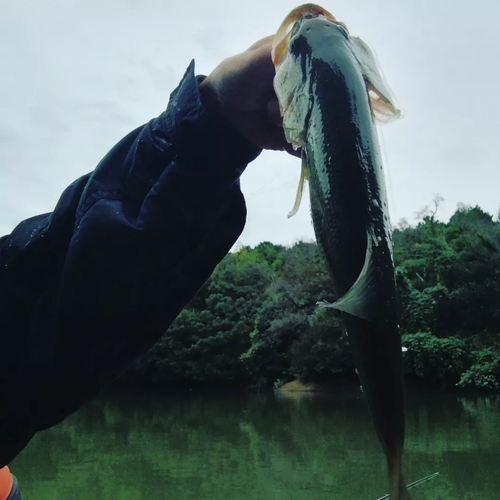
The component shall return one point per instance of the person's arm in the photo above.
(86, 289)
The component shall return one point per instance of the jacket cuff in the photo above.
(220, 147)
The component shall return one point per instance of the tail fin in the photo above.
(403, 493)
(397, 486)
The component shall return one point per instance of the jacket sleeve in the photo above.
(86, 289)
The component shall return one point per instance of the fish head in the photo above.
(311, 32)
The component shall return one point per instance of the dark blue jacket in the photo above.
(88, 288)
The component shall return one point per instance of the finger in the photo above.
(278, 145)
(289, 149)
(275, 140)
(273, 113)
(274, 117)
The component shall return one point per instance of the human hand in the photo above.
(240, 89)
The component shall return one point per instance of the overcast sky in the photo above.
(77, 75)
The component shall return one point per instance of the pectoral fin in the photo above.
(361, 298)
(381, 100)
(304, 175)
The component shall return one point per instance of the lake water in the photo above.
(205, 447)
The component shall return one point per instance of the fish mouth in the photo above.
(285, 31)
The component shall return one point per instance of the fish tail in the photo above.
(398, 489)
(403, 490)
(397, 484)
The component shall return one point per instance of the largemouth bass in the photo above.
(330, 93)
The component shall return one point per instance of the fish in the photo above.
(331, 94)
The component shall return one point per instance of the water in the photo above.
(259, 447)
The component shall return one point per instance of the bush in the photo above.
(436, 360)
(485, 372)
(323, 349)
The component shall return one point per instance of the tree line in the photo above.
(255, 321)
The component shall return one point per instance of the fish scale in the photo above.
(337, 216)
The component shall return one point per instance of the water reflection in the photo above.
(259, 447)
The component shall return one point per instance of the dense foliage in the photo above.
(256, 320)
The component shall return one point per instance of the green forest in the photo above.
(256, 323)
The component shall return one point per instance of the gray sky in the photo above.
(77, 75)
